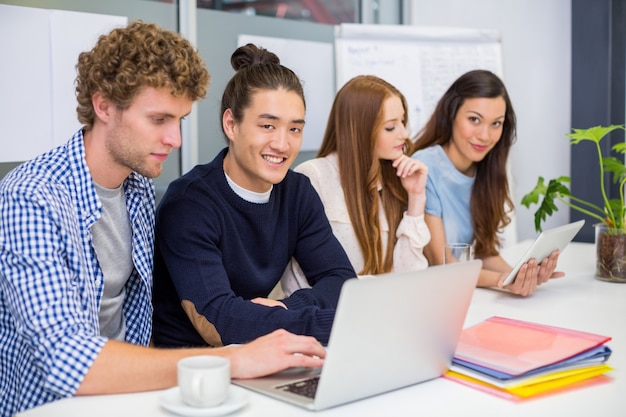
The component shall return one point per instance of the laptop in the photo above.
(545, 244)
(390, 331)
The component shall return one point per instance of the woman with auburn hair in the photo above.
(466, 144)
(373, 193)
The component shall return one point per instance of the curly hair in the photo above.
(139, 55)
(355, 118)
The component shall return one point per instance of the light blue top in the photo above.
(448, 193)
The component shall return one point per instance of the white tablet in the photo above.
(545, 244)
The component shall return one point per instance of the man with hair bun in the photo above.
(77, 233)
(226, 231)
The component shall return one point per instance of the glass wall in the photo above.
(320, 11)
(332, 12)
(324, 12)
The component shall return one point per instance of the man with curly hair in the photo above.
(77, 232)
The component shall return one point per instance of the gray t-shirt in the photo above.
(112, 240)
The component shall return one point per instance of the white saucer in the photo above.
(171, 401)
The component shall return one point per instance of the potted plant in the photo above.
(610, 231)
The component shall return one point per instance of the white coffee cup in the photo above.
(457, 252)
(204, 381)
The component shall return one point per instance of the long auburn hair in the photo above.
(490, 199)
(355, 118)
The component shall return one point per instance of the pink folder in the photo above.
(515, 347)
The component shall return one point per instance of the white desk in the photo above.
(578, 301)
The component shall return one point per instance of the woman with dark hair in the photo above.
(226, 230)
(466, 144)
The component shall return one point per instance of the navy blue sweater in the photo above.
(215, 252)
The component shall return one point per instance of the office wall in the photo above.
(536, 50)
(536, 43)
(216, 39)
(164, 14)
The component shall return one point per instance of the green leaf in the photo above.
(615, 166)
(557, 189)
(533, 196)
(616, 204)
(620, 147)
(594, 134)
(554, 190)
(609, 211)
(617, 207)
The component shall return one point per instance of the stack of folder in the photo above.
(517, 360)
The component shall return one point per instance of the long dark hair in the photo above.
(491, 199)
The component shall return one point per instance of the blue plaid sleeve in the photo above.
(48, 311)
(53, 309)
(50, 281)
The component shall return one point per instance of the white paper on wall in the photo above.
(422, 62)
(39, 54)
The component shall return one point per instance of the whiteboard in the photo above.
(316, 74)
(422, 62)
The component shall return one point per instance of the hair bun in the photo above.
(251, 54)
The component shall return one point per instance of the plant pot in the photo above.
(610, 253)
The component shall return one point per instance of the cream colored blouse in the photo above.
(412, 232)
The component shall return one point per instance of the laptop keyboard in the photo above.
(306, 387)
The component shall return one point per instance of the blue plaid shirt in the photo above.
(50, 282)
